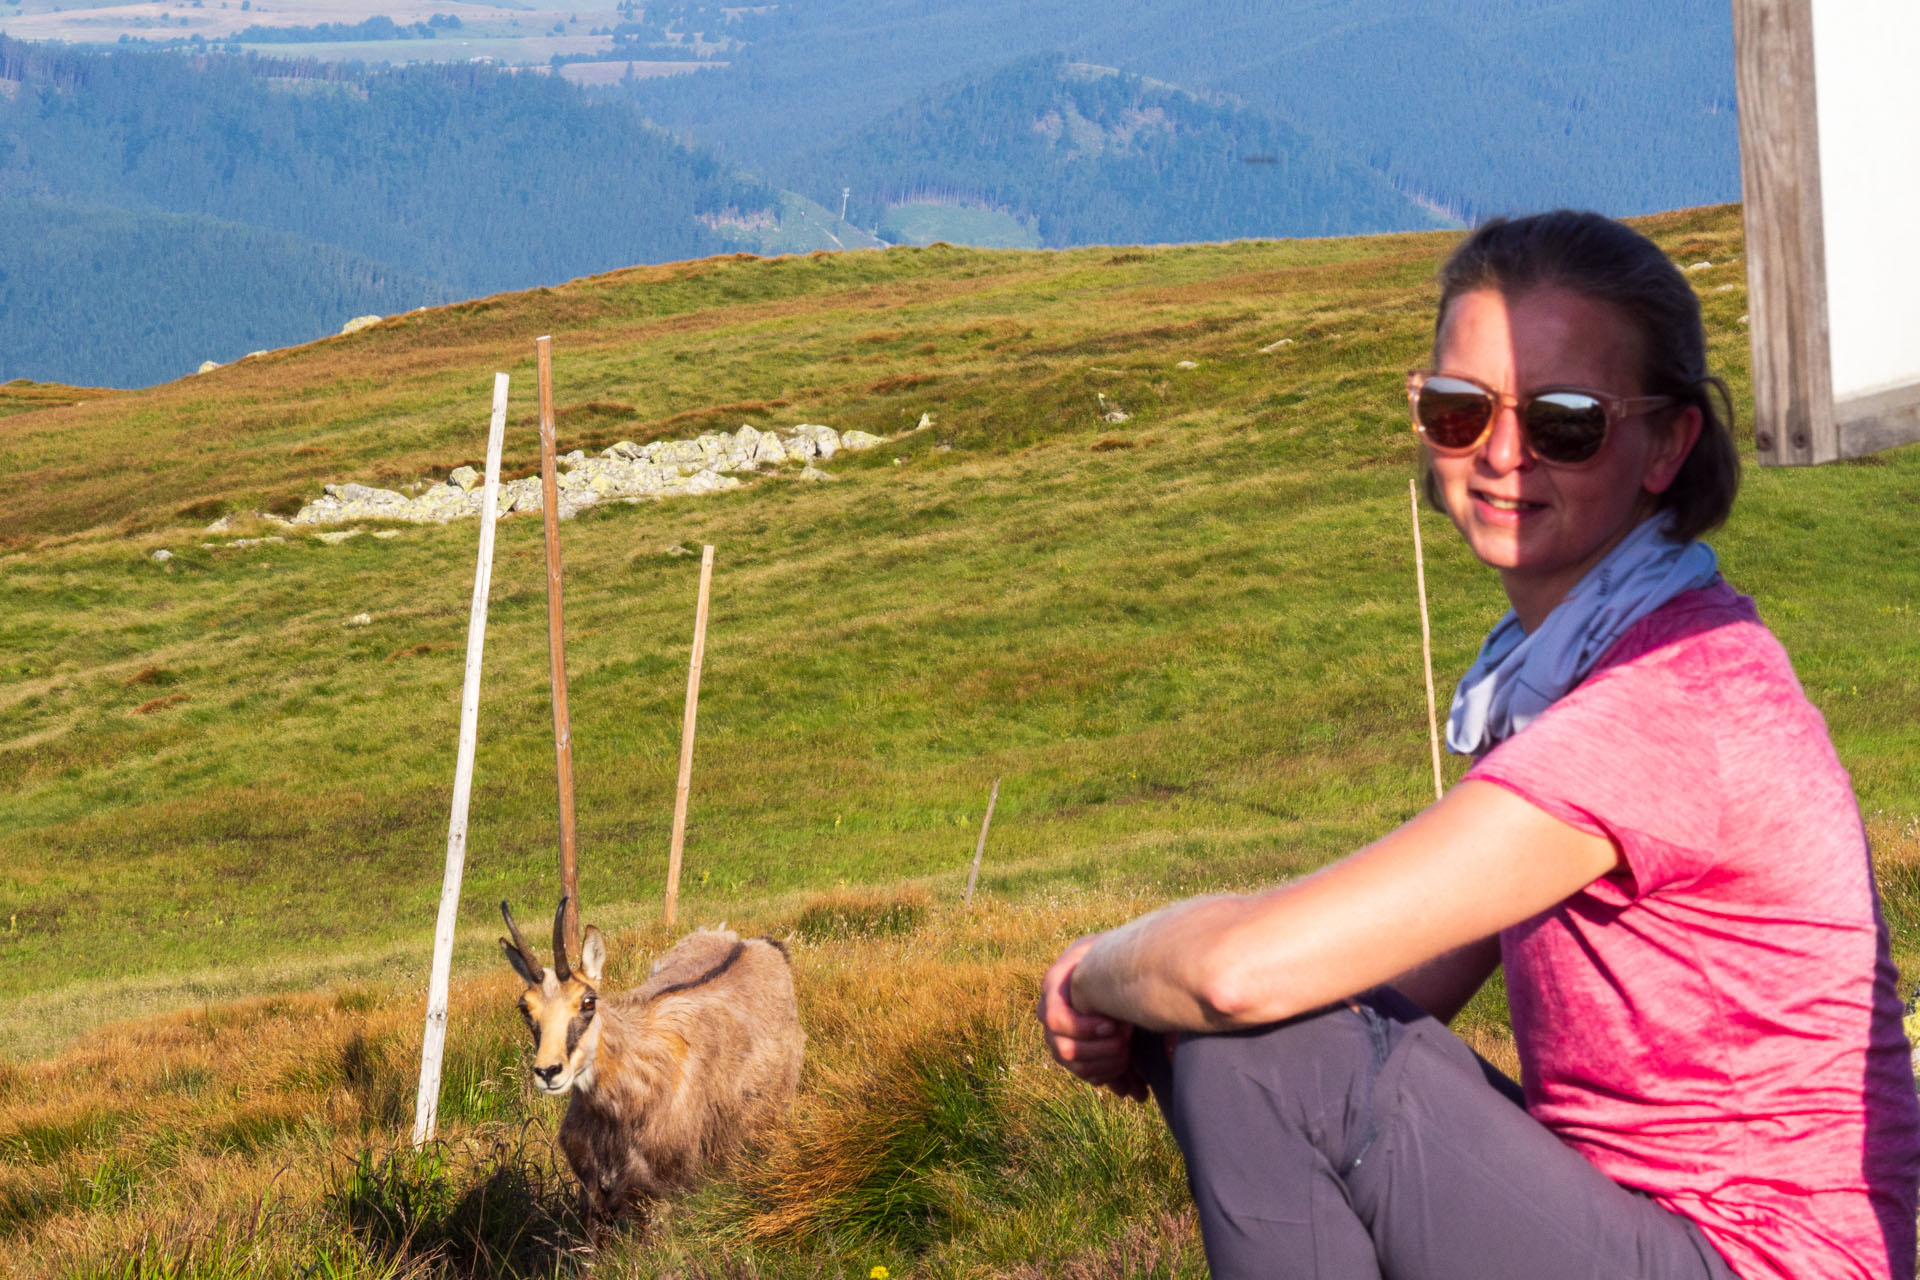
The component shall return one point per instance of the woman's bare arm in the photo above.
(1478, 861)
(1443, 985)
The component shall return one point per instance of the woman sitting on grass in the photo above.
(1656, 841)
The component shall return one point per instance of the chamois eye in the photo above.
(586, 1003)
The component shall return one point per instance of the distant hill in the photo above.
(426, 182)
(1090, 155)
(1622, 105)
(152, 295)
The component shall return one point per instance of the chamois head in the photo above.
(560, 1004)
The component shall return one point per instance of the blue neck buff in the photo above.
(1517, 676)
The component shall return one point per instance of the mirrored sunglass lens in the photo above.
(1453, 413)
(1566, 426)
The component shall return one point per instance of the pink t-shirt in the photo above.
(1719, 1025)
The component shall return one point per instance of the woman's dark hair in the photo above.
(1607, 261)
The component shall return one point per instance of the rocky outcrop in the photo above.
(627, 472)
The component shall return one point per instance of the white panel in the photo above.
(1866, 57)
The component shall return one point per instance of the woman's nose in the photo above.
(1506, 448)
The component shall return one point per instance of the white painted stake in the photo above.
(1426, 641)
(426, 1107)
(685, 784)
(980, 846)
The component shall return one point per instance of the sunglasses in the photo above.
(1565, 426)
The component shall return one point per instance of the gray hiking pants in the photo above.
(1368, 1141)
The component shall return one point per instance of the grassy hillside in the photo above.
(1185, 643)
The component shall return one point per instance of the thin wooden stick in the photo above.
(685, 785)
(980, 845)
(557, 644)
(426, 1106)
(1426, 640)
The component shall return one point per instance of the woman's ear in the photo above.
(1670, 449)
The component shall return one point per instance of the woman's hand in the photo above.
(1094, 1047)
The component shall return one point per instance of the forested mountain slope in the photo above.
(463, 179)
(151, 295)
(1089, 156)
(1622, 105)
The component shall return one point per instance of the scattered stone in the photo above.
(1116, 417)
(926, 420)
(161, 556)
(1743, 319)
(358, 323)
(251, 354)
(221, 525)
(1725, 288)
(677, 550)
(1188, 364)
(1272, 347)
(339, 536)
(1701, 266)
(943, 447)
(360, 620)
(378, 533)
(811, 472)
(207, 366)
(625, 472)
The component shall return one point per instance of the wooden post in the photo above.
(426, 1106)
(685, 784)
(557, 644)
(1426, 640)
(980, 845)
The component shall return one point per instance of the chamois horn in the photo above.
(520, 943)
(560, 969)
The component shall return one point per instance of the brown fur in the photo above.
(673, 1077)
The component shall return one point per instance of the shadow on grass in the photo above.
(507, 1210)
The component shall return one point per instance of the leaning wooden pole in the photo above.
(980, 845)
(685, 784)
(1426, 641)
(426, 1106)
(557, 644)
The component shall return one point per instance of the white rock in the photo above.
(1272, 347)
(221, 525)
(358, 323)
(360, 620)
(465, 478)
(814, 473)
(768, 451)
(207, 366)
(859, 440)
(926, 420)
(1116, 417)
(825, 440)
(1187, 364)
(336, 538)
(1700, 266)
(378, 533)
(161, 556)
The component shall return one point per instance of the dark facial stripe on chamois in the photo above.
(577, 1027)
(706, 977)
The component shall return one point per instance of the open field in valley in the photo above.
(1186, 643)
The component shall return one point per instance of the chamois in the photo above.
(670, 1078)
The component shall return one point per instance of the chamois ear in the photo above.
(519, 963)
(519, 954)
(593, 953)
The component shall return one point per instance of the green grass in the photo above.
(957, 224)
(1186, 644)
